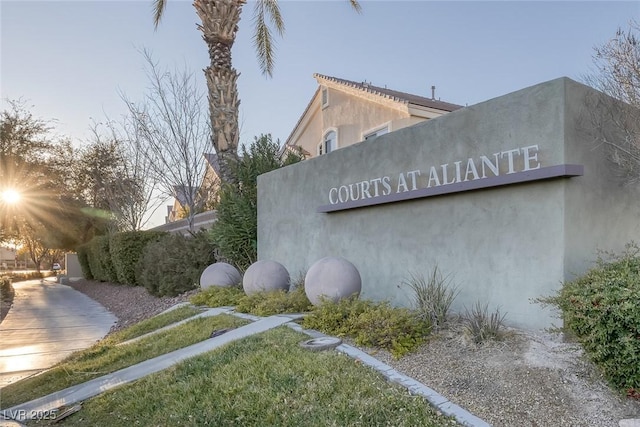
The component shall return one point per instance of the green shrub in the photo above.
(5, 286)
(259, 304)
(482, 325)
(83, 259)
(173, 264)
(236, 229)
(126, 248)
(100, 260)
(602, 308)
(335, 318)
(218, 296)
(398, 330)
(275, 302)
(432, 297)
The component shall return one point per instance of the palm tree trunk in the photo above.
(220, 19)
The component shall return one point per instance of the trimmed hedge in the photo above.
(83, 259)
(602, 308)
(5, 286)
(100, 263)
(173, 264)
(18, 277)
(126, 250)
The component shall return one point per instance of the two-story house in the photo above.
(342, 112)
(203, 197)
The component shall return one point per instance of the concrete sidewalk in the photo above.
(47, 323)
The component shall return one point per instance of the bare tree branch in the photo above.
(617, 74)
(172, 131)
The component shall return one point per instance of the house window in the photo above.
(375, 133)
(329, 143)
(325, 97)
(330, 140)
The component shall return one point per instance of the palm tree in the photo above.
(220, 19)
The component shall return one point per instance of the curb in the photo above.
(438, 401)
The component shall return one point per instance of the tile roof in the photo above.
(184, 194)
(394, 94)
(212, 159)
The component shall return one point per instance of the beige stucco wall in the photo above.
(308, 134)
(351, 117)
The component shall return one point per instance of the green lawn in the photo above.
(105, 357)
(154, 323)
(263, 380)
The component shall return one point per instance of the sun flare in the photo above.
(10, 196)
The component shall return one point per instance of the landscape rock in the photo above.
(265, 276)
(332, 278)
(220, 274)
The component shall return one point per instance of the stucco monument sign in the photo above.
(502, 168)
(510, 197)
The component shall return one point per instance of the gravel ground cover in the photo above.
(525, 380)
(130, 304)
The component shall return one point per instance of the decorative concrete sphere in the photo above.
(265, 276)
(332, 278)
(220, 274)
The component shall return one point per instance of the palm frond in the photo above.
(356, 5)
(158, 9)
(263, 37)
(272, 7)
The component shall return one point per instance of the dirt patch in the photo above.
(525, 380)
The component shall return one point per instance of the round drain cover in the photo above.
(322, 343)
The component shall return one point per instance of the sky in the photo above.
(72, 60)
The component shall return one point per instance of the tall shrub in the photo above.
(173, 264)
(100, 260)
(235, 232)
(83, 259)
(126, 248)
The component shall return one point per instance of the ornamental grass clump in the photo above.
(483, 325)
(432, 296)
